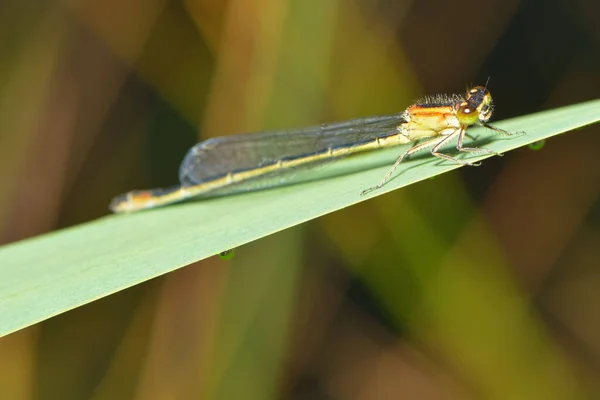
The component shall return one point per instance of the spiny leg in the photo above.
(481, 150)
(387, 176)
(436, 148)
(502, 131)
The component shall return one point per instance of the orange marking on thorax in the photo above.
(423, 112)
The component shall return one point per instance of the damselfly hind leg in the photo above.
(388, 175)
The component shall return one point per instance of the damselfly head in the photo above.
(476, 108)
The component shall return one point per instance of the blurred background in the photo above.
(480, 284)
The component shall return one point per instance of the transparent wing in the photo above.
(219, 156)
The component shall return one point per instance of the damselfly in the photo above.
(236, 163)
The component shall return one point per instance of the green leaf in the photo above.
(47, 275)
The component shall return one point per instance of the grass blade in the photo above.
(47, 275)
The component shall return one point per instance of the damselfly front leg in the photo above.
(482, 150)
(502, 131)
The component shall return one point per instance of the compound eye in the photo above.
(466, 114)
